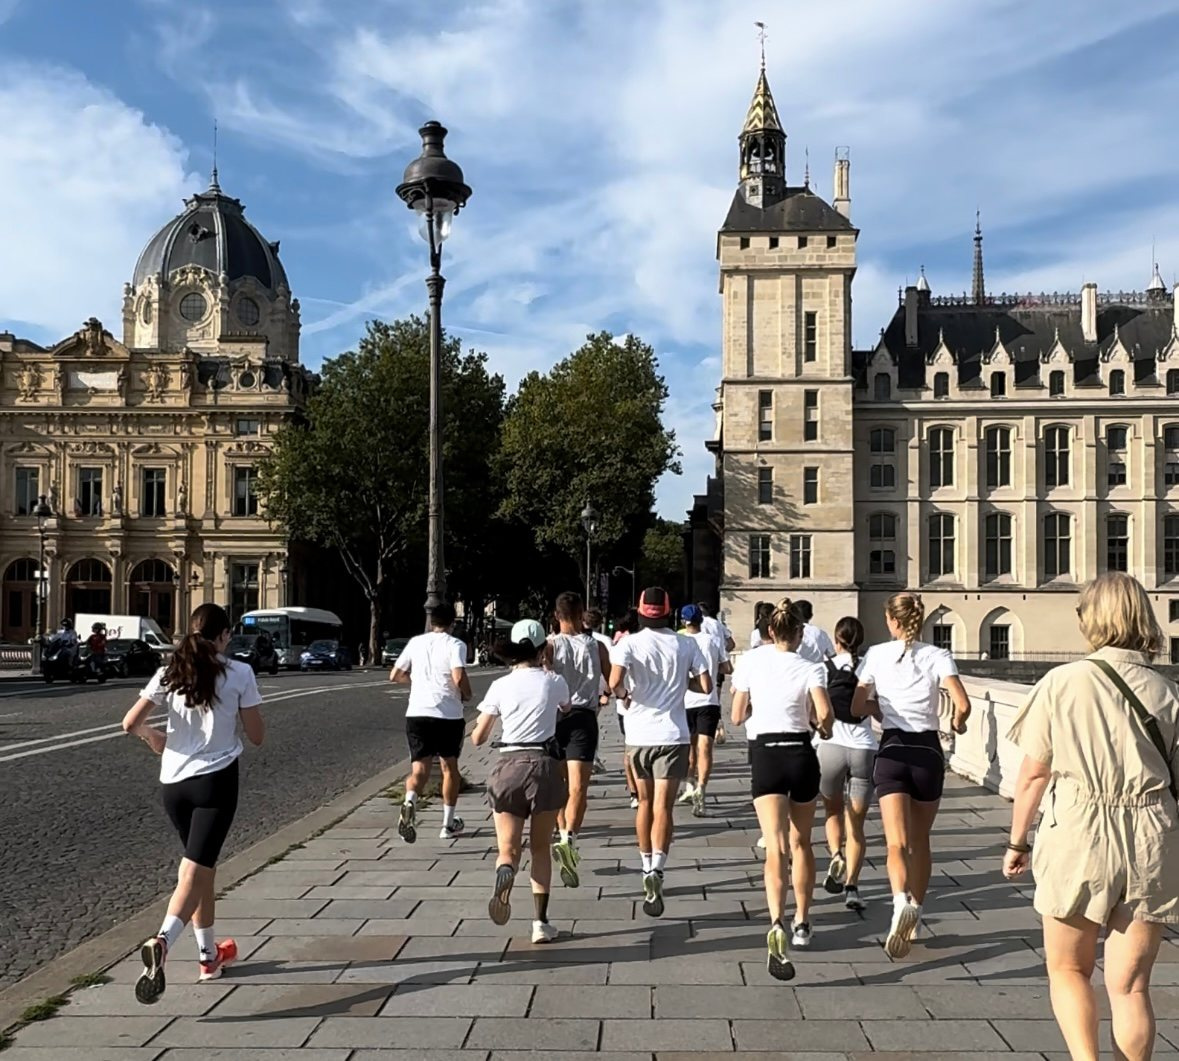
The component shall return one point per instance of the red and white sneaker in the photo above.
(226, 955)
(150, 985)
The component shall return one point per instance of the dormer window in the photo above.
(998, 384)
(941, 385)
(1055, 384)
(1117, 382)
(882, 387)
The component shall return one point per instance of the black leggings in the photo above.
(202, 809)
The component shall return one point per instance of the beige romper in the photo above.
(1109, 833)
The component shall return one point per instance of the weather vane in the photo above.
(761, 36)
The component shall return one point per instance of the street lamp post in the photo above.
(43, 512)
(433, 187)
(284, 573)
(589, 523)
(633, 588)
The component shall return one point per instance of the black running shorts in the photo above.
(577, 735)
(703, 721)
(784, 764)
(202, 809)
(430, 737)
(910, 764)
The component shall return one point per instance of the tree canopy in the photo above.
(352, 474)
(590, 429)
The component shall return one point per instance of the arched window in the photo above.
(941, 545)
(882, 385)
(1056, 456)
(152, 571)
(882, 534)
(941, 457)
(89, 570)
(1058, 544)
(997, 535)
(23, 570)
(998, 457)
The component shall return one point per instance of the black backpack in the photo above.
(841, 687)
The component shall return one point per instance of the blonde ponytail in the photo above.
(785, 623)
(908, 612)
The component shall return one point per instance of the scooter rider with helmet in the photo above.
(96, 646)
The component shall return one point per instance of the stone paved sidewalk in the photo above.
(357, 946)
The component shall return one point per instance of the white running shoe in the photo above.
(801, 934)
(634, 802)
(761, 843)
(543, 932)
(688, 793)
(900, 932)
(452, 831)
(699, 810)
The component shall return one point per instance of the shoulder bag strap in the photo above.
(1149, 722)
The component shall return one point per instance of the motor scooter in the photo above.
(60, 662)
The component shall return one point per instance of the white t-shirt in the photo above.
(778, 684)
(575, 658)
(714, 655)
(428, 659)
(658, 664)
(604, 640)
(816, 644)
(715, 628)
(907, 687)
(204, 741)
(756, 640)
(527, 702)
(843, 733)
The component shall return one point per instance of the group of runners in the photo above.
(806, 704)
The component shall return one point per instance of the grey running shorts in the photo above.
(524, 783)
(660, 762)
(842, 768)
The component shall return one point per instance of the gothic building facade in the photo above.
(991, 451)
(145, 447)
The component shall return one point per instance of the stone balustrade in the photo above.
(983, 754)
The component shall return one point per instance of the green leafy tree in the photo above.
(353, 474)
(662, 559)
(590, 429)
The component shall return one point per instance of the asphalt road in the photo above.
(84, 840)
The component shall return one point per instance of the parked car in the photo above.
(392, 650)
(325, 655)
(255, 649)
(132, 658)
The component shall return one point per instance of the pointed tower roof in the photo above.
(1156, 281)
(763, 113)
(922, 283)
(978, 286)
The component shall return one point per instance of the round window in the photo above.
(246, 379)
(193, 306)
(145, 313)
(248, 312)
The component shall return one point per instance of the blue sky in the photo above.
(600, 139)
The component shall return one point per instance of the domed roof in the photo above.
(213, 234)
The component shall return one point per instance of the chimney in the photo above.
(842, 199)
(911, 316)
(1089, 312)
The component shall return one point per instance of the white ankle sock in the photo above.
(899, 900)
(646, 857)
(447, 816)
(411, 797)
(206, 943)
(171, 930)
(658, 860)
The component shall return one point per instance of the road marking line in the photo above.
(66, 736)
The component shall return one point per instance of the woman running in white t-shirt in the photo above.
(905, 677)
(527, 783)
(846, 762)
(210, 701)
(776, 694)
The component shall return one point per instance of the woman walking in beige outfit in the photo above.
(1099, 735)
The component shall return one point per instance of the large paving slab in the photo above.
(358, 947)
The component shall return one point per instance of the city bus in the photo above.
(292, 629)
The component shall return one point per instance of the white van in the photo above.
(125, 628)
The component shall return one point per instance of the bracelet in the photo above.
(1022, 849)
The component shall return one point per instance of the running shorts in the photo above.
(846, 769)
(910, 764)
(785, 764)
(660, 762)
(702, 721)
(429, 737)
(577, 735)
(524, 783)
(202, 809)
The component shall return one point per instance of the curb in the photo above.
(112, 946)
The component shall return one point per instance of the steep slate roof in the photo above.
(799, 211)
(1028, 332)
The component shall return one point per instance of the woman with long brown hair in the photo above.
(210, 701)
(1100, 735)
(776, 695)
(905, 677)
